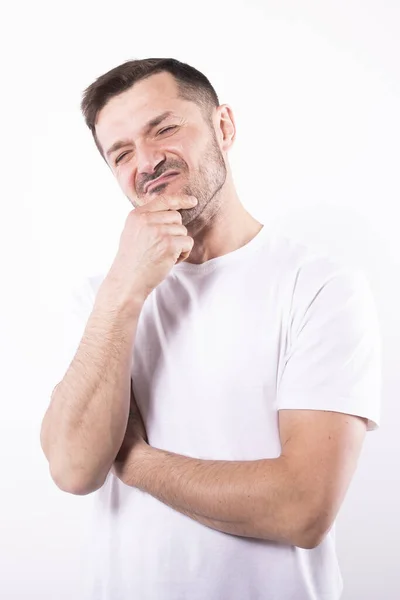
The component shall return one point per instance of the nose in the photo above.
(148, 158)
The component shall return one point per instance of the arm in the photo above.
(333, 363)
(85, 423)
(291, 499)
(232, 496)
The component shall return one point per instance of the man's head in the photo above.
(153, 116)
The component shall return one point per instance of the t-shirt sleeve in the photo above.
(333, 357)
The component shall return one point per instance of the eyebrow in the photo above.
(147, 128)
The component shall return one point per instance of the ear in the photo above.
(226, 127)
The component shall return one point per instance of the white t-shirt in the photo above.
(220, 348)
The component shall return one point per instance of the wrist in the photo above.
(111, 297)
(132, 466)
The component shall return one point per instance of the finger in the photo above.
(168, 203)
(166, 217)
(171, 229)
(183, 247)
(183, 257)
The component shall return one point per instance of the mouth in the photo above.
(159, 180)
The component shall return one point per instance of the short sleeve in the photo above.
(333, 358)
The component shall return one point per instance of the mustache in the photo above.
(159, 172)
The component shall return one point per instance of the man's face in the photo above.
(179, 140)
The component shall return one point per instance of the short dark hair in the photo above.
(192, 86)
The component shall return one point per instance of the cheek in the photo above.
(126, 181)
(185, 151)
(178, 148)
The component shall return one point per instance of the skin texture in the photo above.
(197, 149)
(293, 498)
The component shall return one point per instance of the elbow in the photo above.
(75, 488)
(78, 486)
(312, 533)
(309, 540)
(65, 478)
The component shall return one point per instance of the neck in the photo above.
(223, 226)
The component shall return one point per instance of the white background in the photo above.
(315, 89)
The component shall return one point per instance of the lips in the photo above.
(161, 179)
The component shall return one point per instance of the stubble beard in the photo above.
(206, 183)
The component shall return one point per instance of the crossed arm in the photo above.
(293, 498)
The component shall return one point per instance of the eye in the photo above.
(119, 157)
(167, 129)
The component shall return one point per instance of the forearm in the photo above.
(85, 423)
(247, 498)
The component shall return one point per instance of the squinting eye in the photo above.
(167, 129)
(119, 157)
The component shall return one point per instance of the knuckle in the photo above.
(166, 244)
(158, 230)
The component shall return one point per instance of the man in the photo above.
(219, 397)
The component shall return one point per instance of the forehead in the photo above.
(126, 114)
